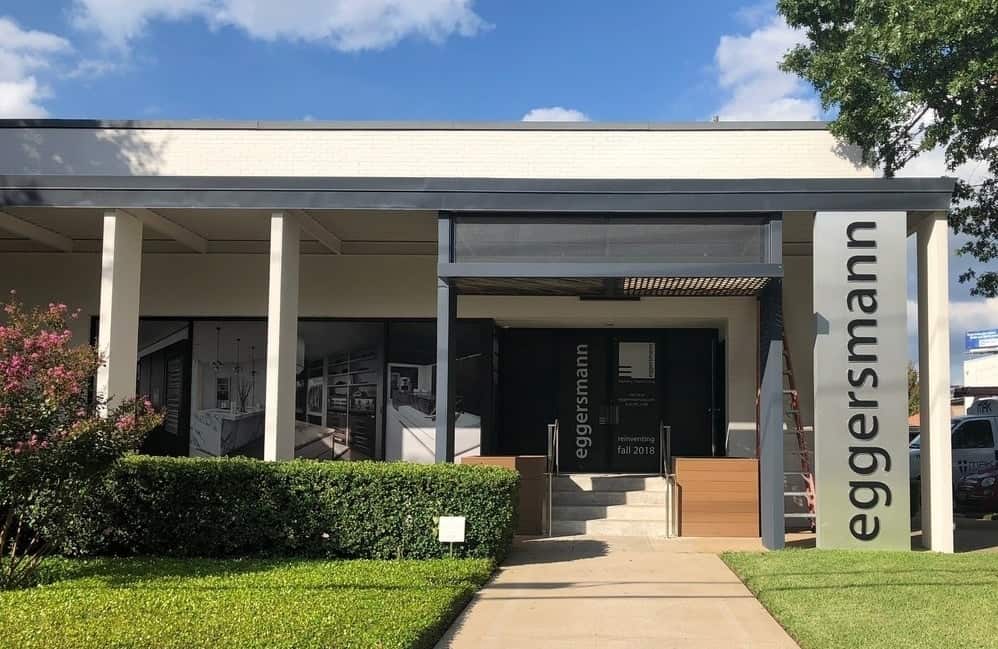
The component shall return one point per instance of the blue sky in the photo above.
(619, 61)
(629, 60)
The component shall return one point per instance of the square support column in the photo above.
(282, 337)
(446, 326)
(771, 507)
(118, 324)
(932, 235)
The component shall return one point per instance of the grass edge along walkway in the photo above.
(164, 603)
(876, 600)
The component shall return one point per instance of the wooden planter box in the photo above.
(718, 496)
(533, 487)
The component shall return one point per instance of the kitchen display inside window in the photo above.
(344, 379)
(228, 387)
(337, 388)
(411, 414)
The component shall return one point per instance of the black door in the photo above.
(610, 391)
(527, 399)
(584, 411)
(690, 402)
(608, 405)
(635, 399)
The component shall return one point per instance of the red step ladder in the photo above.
(795, 426)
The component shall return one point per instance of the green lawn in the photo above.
(873, 600)
(244, 604)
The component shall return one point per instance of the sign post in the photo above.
(860, 388)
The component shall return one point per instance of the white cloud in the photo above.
(22, 54)
(755, 15)
(346, 25)
(963, 317)
(555, 114)
(748, 72)
(20, 98)
(94, 68)
(967, 316)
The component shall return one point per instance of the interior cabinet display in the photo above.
(354, 387)
(314, 395)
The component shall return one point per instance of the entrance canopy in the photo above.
(612, 287)
(616, 257)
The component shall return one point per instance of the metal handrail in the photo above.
(671, 501)
(665, 439)
(557, 450)
(552, 457)
(552, 470)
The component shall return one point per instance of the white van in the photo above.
(974, 441)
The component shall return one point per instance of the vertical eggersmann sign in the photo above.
(860, 386)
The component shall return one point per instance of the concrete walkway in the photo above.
(623, 593)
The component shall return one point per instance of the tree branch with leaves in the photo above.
(907, 77)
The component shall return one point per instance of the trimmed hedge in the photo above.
(241, 507)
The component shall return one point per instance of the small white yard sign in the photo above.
(451, 529)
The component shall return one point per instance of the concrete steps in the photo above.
(588, 482)
(607, 498)
(610, 512)
(609, 528)
(609, 505)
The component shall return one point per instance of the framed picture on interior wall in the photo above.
(315, 395)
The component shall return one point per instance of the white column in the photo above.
(118, 324)
(933, 361)
(282, 337)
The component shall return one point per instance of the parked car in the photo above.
(974, 443)
(977, 492)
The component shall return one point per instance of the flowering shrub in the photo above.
(53, 439)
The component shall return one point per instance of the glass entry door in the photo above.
(609, 403)
(610, 390)
(635, 402)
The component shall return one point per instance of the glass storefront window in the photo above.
(410, 427)
(363, 389)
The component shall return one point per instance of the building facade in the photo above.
(424, 292)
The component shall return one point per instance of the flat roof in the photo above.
(537, 195)
(303, 125)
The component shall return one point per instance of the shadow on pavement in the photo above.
(528, 551)
(970, 535)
